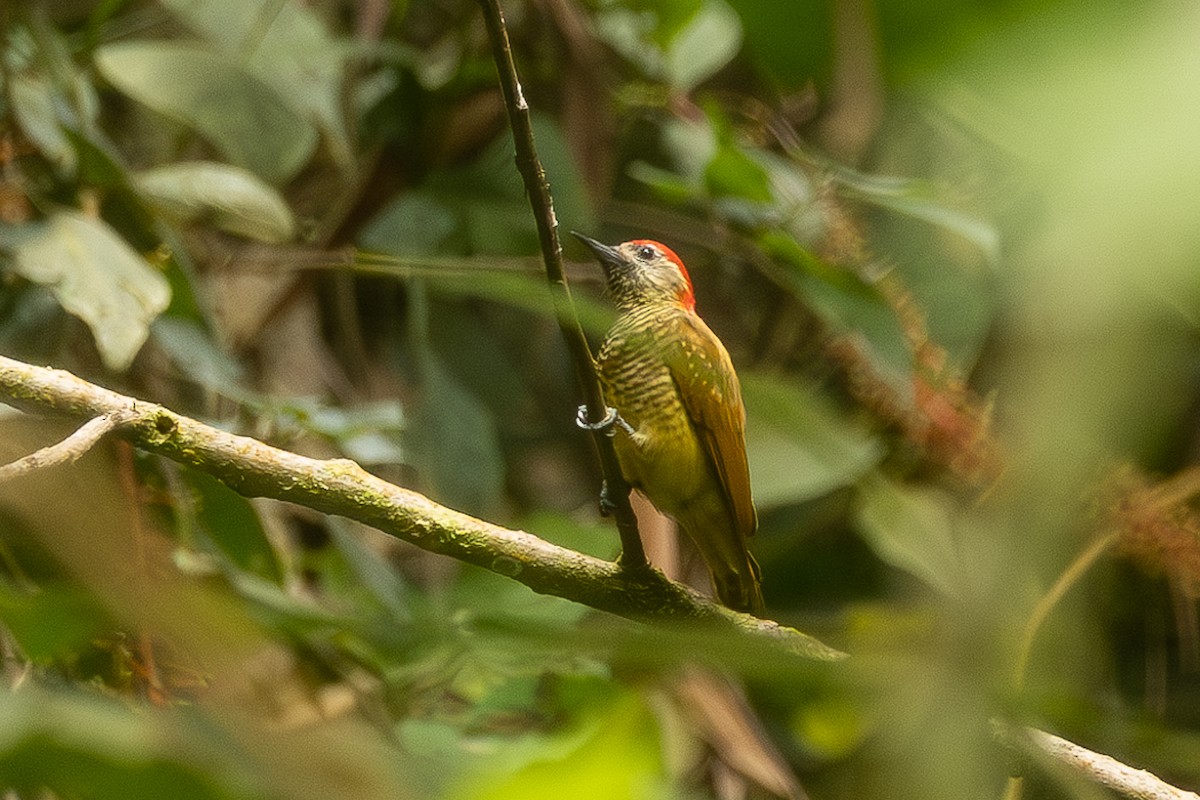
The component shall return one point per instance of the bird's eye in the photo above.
(646, 253)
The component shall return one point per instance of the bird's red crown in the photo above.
(687, 297)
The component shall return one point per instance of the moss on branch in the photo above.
(342, 487)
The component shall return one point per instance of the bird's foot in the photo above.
(606, 425)
(607, 506)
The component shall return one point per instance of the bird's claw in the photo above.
(607, 506)
(605, 425)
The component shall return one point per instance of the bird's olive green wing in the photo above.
(709, 388)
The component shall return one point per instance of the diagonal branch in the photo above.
(633, 555)
(1097, 767)
(341, 487)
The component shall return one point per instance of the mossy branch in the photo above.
(342, 487)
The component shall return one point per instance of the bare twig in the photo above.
(1096, 767)
(1014, 788)
(633, 556)
(1047, 603)
(340, 486)
(68, 450)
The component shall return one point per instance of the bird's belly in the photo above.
(663, 458)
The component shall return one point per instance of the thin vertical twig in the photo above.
(633, 556)
(130, 488)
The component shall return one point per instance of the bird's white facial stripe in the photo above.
(647, 274)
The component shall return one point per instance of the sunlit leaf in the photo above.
(286, 45)
(832, 728)
(706, 44)
(33, 105)
(616, 755)
(239, 113)
(96, 275)
(232, 198)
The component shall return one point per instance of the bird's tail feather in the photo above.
(740, 589)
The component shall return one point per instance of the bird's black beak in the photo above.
(609, 257)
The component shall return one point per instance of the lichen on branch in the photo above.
(340, 486)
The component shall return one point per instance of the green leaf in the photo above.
(911, 529)
(49, 94)
(240, 114)
(76, 745)
(804, 55)
(799, 446)
(918, 199)
(453, 440)
(481, 208)
(734, 174)
(52, 622)
(232, 198)
(701, 48)
(571, 196)
(285, 45)
(34, 107)
(849, 305)
(591, 536)
(96, 276)
(418, 222)
(615, 754)
(628, 32)
(692, 144)
(194, 353)
(380, 578)
(666, 185)
(831, 727)
(232, 524)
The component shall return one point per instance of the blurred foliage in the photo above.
(951, 245)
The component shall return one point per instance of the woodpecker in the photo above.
(680, 437)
